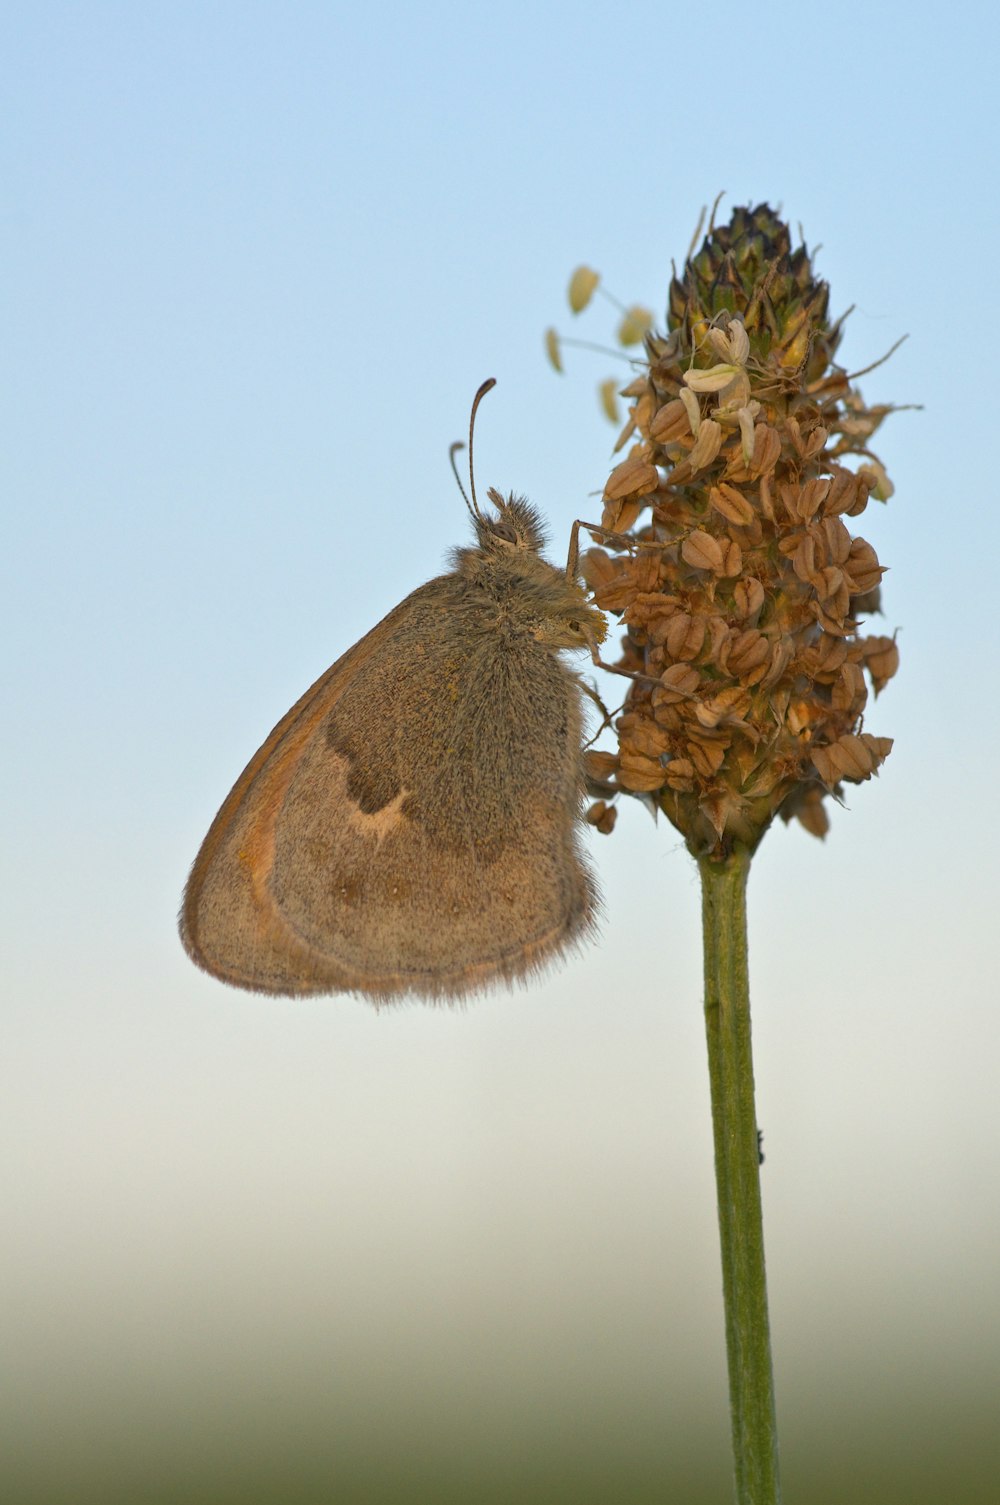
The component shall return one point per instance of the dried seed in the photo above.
(706, 446)
(731, 504)
(701, 551)
(633, 477)
(670, 422)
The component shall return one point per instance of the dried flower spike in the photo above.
(742, 593)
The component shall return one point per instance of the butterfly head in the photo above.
(515, 529)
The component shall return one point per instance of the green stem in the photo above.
(737, 1176)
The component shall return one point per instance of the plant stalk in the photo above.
(737, 1176)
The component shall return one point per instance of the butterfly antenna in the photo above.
(487, 386)
(473, 506)
(452, 452)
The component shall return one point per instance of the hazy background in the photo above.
(257, 259)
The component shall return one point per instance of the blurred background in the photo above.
(258, 259)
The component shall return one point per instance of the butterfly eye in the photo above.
(505, 532)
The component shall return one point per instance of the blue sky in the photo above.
(258, 258)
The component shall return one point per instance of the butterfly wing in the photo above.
(410, 826)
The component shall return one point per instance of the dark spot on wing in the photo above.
(370, 785)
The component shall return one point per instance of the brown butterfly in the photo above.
(413, 824)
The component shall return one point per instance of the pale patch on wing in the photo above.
(376, 827)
